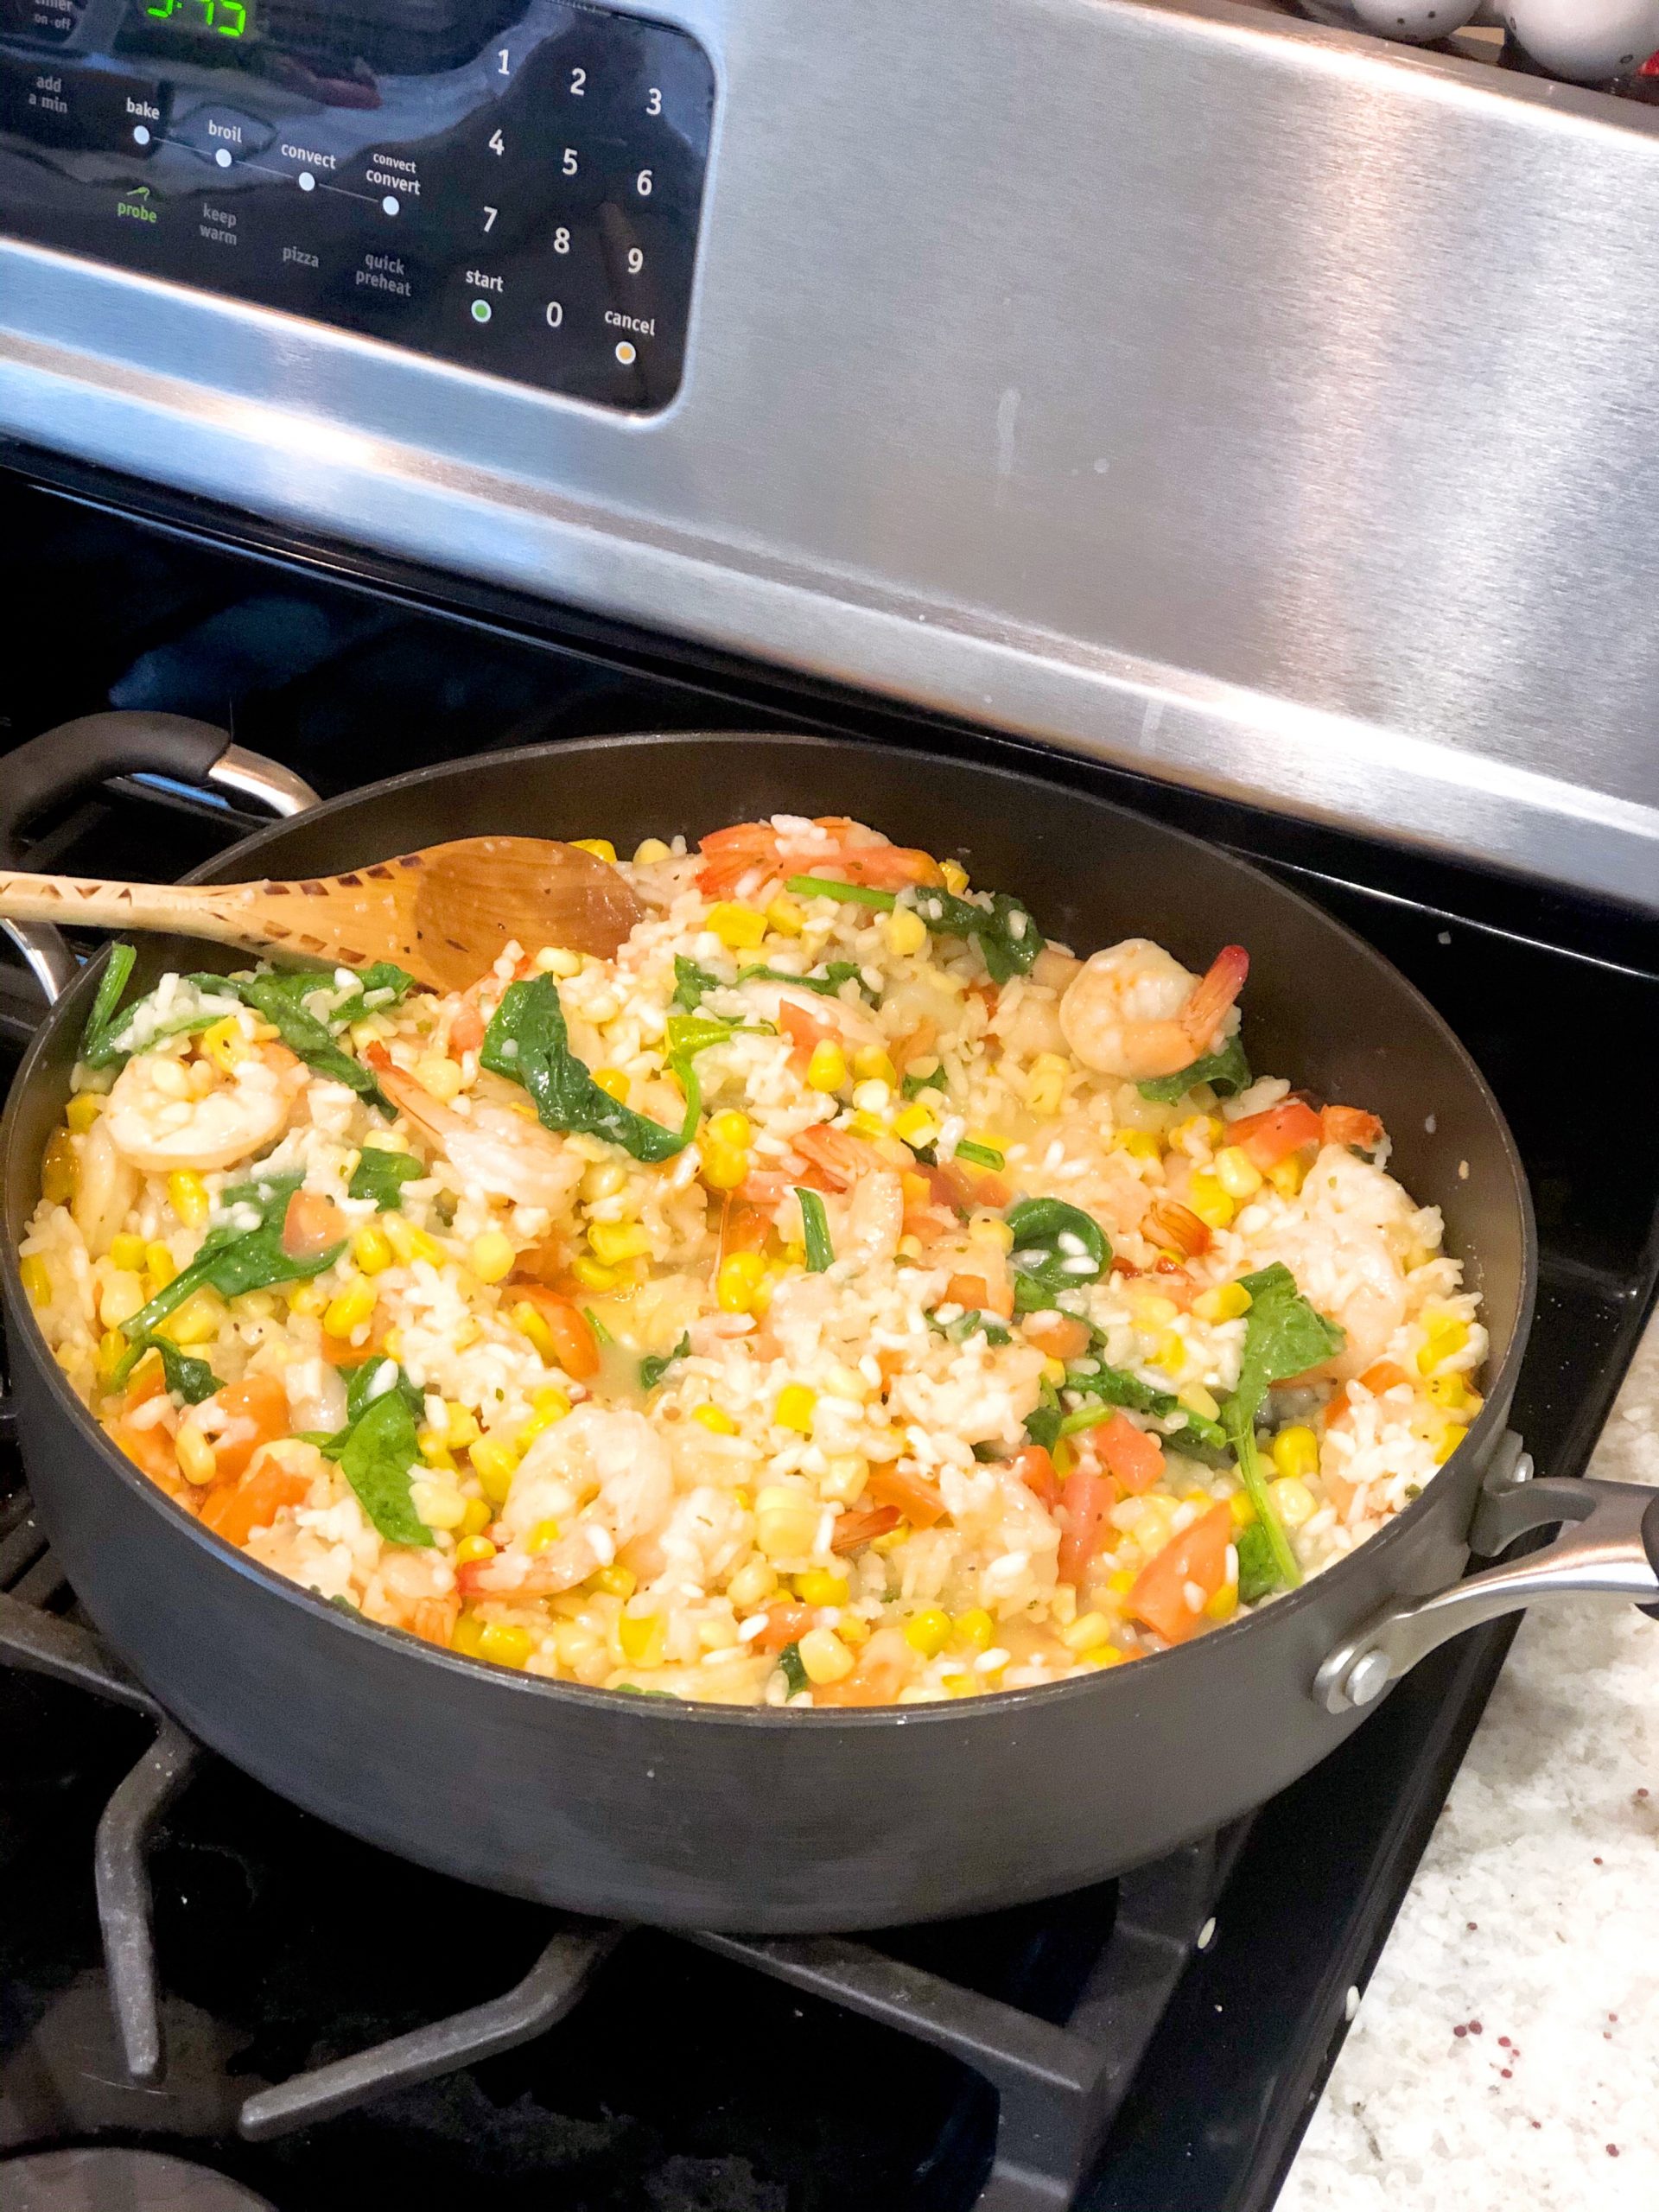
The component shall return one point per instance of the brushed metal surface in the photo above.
(1240, 398)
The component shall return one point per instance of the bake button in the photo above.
(97, 109)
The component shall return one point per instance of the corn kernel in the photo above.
(492, 1255)
(1140, 1144)
(730, 1128)
(494, 1463)
(1171, 1352)
(1087, 1633)
(1243, 1510)
(440, 1505)
(853, 1630)
(160, 1266)
(956, 877)
(785, 1521)
(614, 1083)
(739, 928)
(986, 1229)
(616, 1581)
(198, 1321)
(409, 1242)
(476, 1516)
(370, 1249)
(614, 1242)
(188, 1195)
(1289, 1176)
(550, 1406)
(1064, 1456)
(505, 1645)
(111, 1350)
(1294, 1499)
(1449, 1437)
(737, 1281)
(1198, 1400)
(1150, 1312)
(1046, 1084)
(558, 960)
(722, 1168)
(871, 1097)
(1107, 1654)
(307, 1298)
(542, 1533)
(643, 1639)
(715, 1419)
(83, 1111)
(974, 1630)
(1228, 1301)
(434, 1449)
(1238, 1173)
(468, 1629)
(824, 1656)
(1445, 1338)
(1210, 1201)
(906, 932)
(474, 1544)
(198, 1461)
(844, 1476)
(1224, 1604)
(530, 1321)
(867, 1125)
(1296, 1452)
(601, 847)
(827, 1069)
(1120, 1582)
(1452, 1394)
(928, 1631)
(128, 1253)
(1054, 1371)
(872, 1065)
(350, 1308)
(794, 1407)
(443, 1078)
(592, 1276)
(958, 1685)
(819, 1586)
(786, 916)
(649, 851)
(224, 1044)
(915, 1125)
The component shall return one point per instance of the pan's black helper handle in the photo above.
(1608, 1551)
(42, 776)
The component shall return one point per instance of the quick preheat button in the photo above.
(384, 272)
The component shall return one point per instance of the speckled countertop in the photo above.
(1506, 2057)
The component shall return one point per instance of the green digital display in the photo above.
(223, 18)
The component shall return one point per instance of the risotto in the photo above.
(841, 1297)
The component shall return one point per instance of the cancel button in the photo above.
(642, 325)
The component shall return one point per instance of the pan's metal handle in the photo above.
(1608, 1551)
(80, 755)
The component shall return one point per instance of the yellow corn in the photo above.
(492, 1255)
(974, 1630)
(224, 1044)
(1107, 1654)
(1198, 1400)
(308, 1298)
(649, 851)
(614, 1242)
(370, 1249)
(906, 932)
(616, 1581)
(958, 1685)
(1064, 1456)
(1140, 1144)
(794, 1407)
(558, 960)
(715, 1419)
(494, 1463)
(824, 1656)
(160, 1267)
(475, 1519)
(956, 877)
(435, 1450)
(738, 927)
(1199, 1133)
(1087, 1633)
(1121, 1582)
(440, 1505)
(614, 1083)
(591, 1276)
(409, 1242)
(786, 916)
(1244, 1511)
(827, 1069)
(819, 1586)
(1210, 1201)
(198, 1321)
(111, 1350)
(872, 1065)
(550, 1406)
(350, 1308)
(643, 1639)
(1228, 1301)
(603, 1180)
(844, 1476)
(119, 1296)
(467, 1632)
(1150, 1312)
(852, 1630)
(730, 1128)
(503, 1645)
(128, 1252)
(601, 847)
(188, 1194)
(1054, 1371)
(1296, 1452)
(531, 1322)
(461, 1423)
(915, 1125)
(737, 1281)
(198, 1461)
(442, 1077)
(1046, 1084)
(866, 1124)
(928, 1631)
(986, 1229)
(785, 1521)
(722, 1168)
(83, 1111)
(1452, 1394)
(1171, 1354)
(1289, 1176)
(541, 1535)
(1445, 1338)
(1449, 1437)
(1294, 1499)
(1237, 1172)
(60, 1169)
(473, 1546)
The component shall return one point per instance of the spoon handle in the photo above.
(230, 914)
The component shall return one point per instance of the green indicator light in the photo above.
(226, 18)
(480, 310)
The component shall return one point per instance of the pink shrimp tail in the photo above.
(1217, 988)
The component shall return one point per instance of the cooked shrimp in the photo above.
(1346, 1248)
(792, 1008)
(608, 1469)
(1134, 1012)
(503, 1152)
(106, 1188)
(158, 1121)
(873, 1219)
(831, 845)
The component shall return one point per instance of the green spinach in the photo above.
(528, 1043)
(377, 1459)
(1057, 1247)
(690, 983)
(1007, 937)
(188, 1378)
(970, 1323)
(820, 1252)
(1283, 1337)
(1112, 1387)
(827, 986)
(233, 1260)
(794, 1672)
(381, 1175)
(1227, 1072)
(657, 1364)
(1258, 1569)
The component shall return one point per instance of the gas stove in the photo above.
(193, 1972)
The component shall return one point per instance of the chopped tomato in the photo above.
(1194, 1560)
(1340, 1491)
(743, 1224)
(885, 1665)
(235, 1510)
(786, 1622)
(311, 1226)
(575, 1346)
(1035, 1468)
(1062, 1336)
(546, 1262)
(862, 1525)
(150, 1449)
(980, 1295)
(241, 1417)
(1383, 1374)
(805, 1031)
(1352, 1125)
(1129, 1453)
(915, 1497)
(1266, 1139)
(1086, 1499)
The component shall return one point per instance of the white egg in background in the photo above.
(1586, 40)
(1414, 20)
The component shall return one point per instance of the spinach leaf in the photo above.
(1057, 1247)
(233, 1260)
(1227, 1072)
(108, 1038)
(657, 1364)
(1111, 1387)
(110, 984)
(377, 1459)
(277, 1000)
(932, 1080)
(528, 1043)
(1043, 1421)
(849, 894)
(820, 1252)
(1258, 1570)
(795, 1673)
(601, 1334)
(827, 986)
(369, 1380)
(980, 1155)
(690, 983)
(1283, 1337)
(968, 1325)
(381, 1175)
(686, 1034)
(1007, 937)
(193, 1380)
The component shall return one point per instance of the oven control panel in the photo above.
(514, 188)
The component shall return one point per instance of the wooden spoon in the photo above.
(444, 913)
